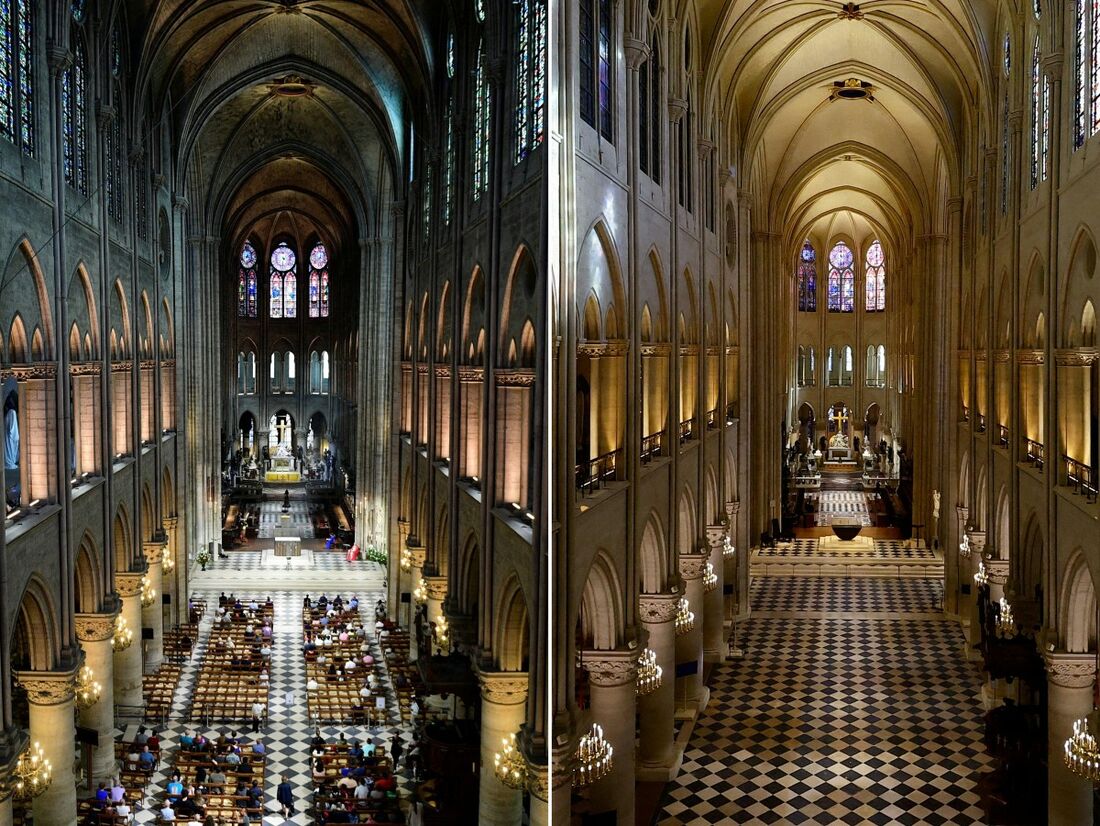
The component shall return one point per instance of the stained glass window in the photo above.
(449, 163)
(604, 77)
(1036, 102)
(283, 282)
(807, 279)
(1004, 156)
(1094, 63)
(7, 70)
(482, 101)
(479, 7)
(112, 178)
(587, 78)
(246, 282)
(875, 300)
(1080, 98)
(450, 55)
(78, 10)
(74, 118)
(1044, 133)
(530, 79)
(649, 94)
(426, 204)
(841, 284)
(318, 282)
(25, 64)
(1008, 53)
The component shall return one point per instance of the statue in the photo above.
(838, 440)
(935, 504)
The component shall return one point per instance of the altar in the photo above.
(282, 467)
(838, 449)
(288, 542)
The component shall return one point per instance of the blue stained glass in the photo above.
(290, 295)
(283, 258)
(449, 165)
(242, 295)
(450, 55)
(252, 298)
(538, 102)
(848, 292)
(7, 71)
(26, 76)
(67, 146)
(523, 78)
(248, 255)
(807, 279)
(481, 127)
(80, 111)
(314, 295)
(318, 257)
(78, 10)
(324, 295)
(276, 295)
(841, 286)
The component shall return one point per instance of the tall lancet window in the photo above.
(74, 117)
(530, 80)
(875, 290)
(482, 102)
(318, 282)
(449, 136)
(807, 279)
(284, 284)
(17, 73)
(1036, 114)
(842, 279)
(246, 282)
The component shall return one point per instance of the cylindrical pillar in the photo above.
(50, 701)
(714, 643)
(152, 616)
(689, 645)
(503, 695)
(1070, 681)
(437, 592)
(997, 571)
(612, 678)
(128, 661)
(95, 632)
(657, 709)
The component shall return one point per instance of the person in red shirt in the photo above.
(385, 783)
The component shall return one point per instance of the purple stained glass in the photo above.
(26, 76)
(283, 258)
(248, 255)
(290, 295)
(7, 71)
(841, 256)
(252, 302)
(314, 295)
(318, 257)
(276, 295)
(808, 253)
(324, 295)
(807, 279)
(874, 255)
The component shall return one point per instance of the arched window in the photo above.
(1004, 156)
(595, 66)
(1080, 72)
(449, 136)
(807, 279)
(246, 282)
(1038, 161)
(649, 102)
(842, 279)
(530, 83)
(806, 369)
(876, 279)
(846, 367)
(319, 382)
(284, 286)
(17, 73)
(318, 282)
(74, 117)
(482, 101)
(276, 376)
(246, 373)
(290, 376)
(876, 366)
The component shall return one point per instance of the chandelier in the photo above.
(509, 765)
(420, 592)
(32, 774)
(123, 636)
(710, 579)
(649, 673)
(167, 562)
(982, 577)
(148, 592)
(685, 617)
(406, 560)
(442, 633)
(87, 689)
(964, 546)
(1082, 755)
(728, 548)
(1005, 624)
(594, 757)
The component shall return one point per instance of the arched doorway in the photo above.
(870, 426)
(806, 427)
(317, 436)
(280, 435)
(246, 434)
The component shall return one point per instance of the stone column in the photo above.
(94, 632)
(612, 676)
(1070, 681)
(437, 592)
(128, 662)
(152, 616)
(689, 646)
(997, 572)
(714, 643)
(409, 580)
(503, 711)
(175, 581)
(657, 710)
(977, 548)
(50, 698)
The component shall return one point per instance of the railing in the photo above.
(712, 419)
(593, 473)
(1080, 477)
(687, 430)
(981, 423)
(652, 445)
(1002, 435)
(1034, 452)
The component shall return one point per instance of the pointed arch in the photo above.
(36, 638)
(685, 522)
(89, 576)
(652, 556)
(1077, 606)
(124, 556)
(601, 615)
(513, 627)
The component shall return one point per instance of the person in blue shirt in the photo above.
(258, 747)
(102, 795)
(146, 759)
(175, 788)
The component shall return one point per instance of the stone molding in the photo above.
(716, 536)
(538, 780)
(996, 569)
(418, 556)
(637, 51)
(1076, 357)
(37, 370)
(1030, 357)
(47, 688)
(128, 584)
(977, 539)
(733, 508)
(657, 608)
(677, 108)
(1070, 670)
(170, 522)
(608, 669)
(515, 377)
(94, 627)
(436, 586)
(692, 566)
(595, 349)
(153, 551)
(505, 688)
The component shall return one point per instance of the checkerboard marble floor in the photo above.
(883, 549)
(288, 729)
(808, 593)
(838, 720)
(845, 503)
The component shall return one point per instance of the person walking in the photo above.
(285, 795)
(257, 714)
(395, 752)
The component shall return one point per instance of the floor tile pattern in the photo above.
(837, 721)
(846, 503)
(883, 549)
(810, 593)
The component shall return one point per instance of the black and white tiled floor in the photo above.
(810, 593)
(846, 503)
(838, 720)
(883, 549)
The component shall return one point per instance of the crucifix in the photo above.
(281, 425)
(840, 419)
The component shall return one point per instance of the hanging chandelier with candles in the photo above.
(728, 548)
(87, 690)
(509, 765)
(982, 577)
(32, 775)
(649, 673)
(168, 564)
(1082, 754)
(406, 560)
(420, 592)
(148, 592)
(1005, 625)
(593, 758)
(685, 617)
(442, 634)
(710, 579)
(123, 635)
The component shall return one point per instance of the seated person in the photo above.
(168, 814)
(146, 759)
(154, 741)
(102, 794)
(142, 737)
(187, 807)
(216, 778)
(118, 791)
(175, 788)
(258, 747)
(233, 758)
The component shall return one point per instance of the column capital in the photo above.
(418, 555)
(504, 688)
(995, 569)
(677, 108)
(170, 522)
(94, 627)
(977, 539)
(128, 584)
(153, 550)
(1070, 670)
(733, 508)
(538, 780)
(436, 586)
(47, 688)
(637, 51)
(657, 608)
(611, 668)
(963, 512)
(716, 536)
(692, 566)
